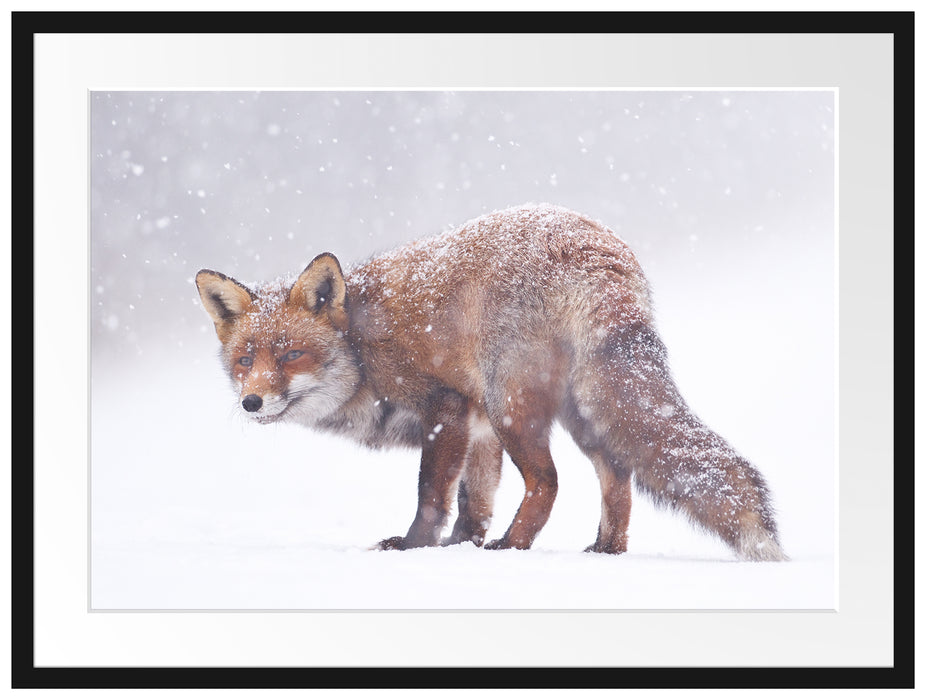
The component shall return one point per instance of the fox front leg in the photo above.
(444, 443)
(481, 475)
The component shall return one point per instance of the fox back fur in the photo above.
(472, 343)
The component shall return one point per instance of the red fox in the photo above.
(474, 342)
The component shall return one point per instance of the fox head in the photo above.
(284, 346)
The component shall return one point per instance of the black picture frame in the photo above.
(25, 27)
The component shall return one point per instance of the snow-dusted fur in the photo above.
(472, 343)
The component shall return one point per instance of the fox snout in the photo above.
(252, 403)
(262, 407)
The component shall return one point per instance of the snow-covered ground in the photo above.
(192, 508)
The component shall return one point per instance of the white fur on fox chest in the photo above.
(374, 422)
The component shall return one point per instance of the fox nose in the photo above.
(251, 403)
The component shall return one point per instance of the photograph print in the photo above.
(463, 350)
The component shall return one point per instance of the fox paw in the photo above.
(500, 543)
(603, 549)
(396, 542)
(458, 539)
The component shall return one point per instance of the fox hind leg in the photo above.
(524, 432)
(614, 477)
(616, 491)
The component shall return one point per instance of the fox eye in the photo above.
(293, 355)
(246, 361)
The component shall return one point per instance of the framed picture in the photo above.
(751, 174)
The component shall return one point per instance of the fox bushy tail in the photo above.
(627, 406)
(697, 473)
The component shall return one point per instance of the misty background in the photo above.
(726, 197)
(255, 184)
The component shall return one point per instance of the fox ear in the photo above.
(223, 298)
(320, 287)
